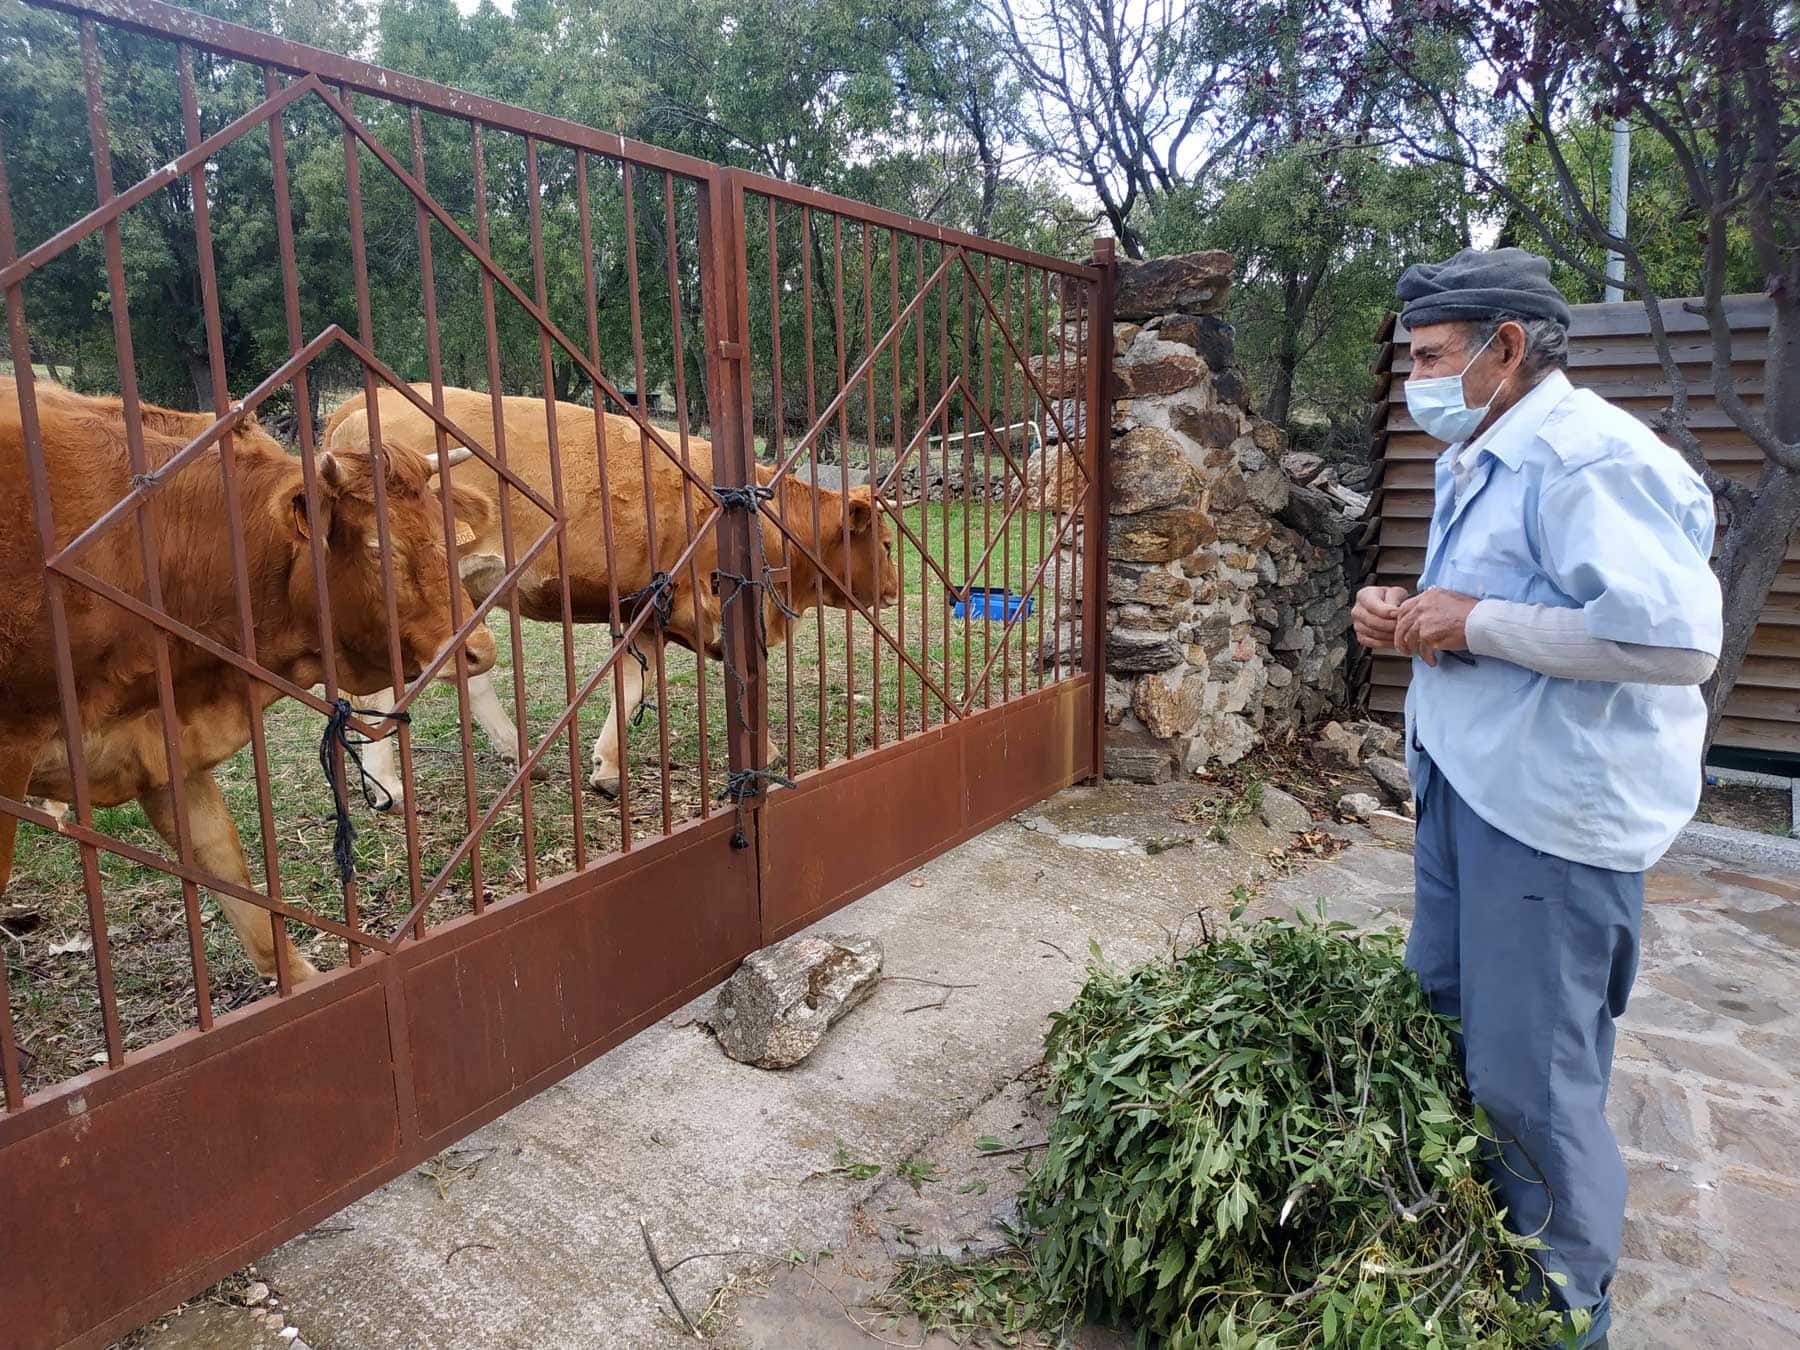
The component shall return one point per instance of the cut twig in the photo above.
(1058, 950)
(697, 1256)
(662, 1278)
(1015, 1148)
(469, 1247)
(948, 989)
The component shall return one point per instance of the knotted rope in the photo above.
(337, 733)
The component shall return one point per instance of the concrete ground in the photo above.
(801, 1189)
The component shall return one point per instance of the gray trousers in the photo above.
(1536, 955)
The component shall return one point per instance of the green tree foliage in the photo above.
(1664, 221)
(900, 105)
(1319, 231)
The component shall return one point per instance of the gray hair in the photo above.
(1546, 340)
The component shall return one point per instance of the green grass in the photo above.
(844, 701)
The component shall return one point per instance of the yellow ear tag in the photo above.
(465, 533)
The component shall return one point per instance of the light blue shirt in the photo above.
(1572, 502)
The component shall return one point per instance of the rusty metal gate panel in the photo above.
(174, 1100)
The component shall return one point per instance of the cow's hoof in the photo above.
(300, 970)
(606, 787)
(540, 772)
(389, 803)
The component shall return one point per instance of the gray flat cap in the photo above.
(1500, 283)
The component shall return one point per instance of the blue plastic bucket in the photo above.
(992, 603)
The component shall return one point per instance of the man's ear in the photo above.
(1513, 343)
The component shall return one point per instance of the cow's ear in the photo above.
(472, 507)
(330, 475)
(862, 511)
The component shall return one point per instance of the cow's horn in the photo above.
(453, 456)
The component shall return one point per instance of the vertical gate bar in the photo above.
(221, 399)
(868, 234)
(943, 386)
(1062, 374)
(1043, 479)
(837, 291)
(1026, 397)
(602, 453)
(551, 413)
(672, 258)
(1006, 425)
(434, 363)
(657, 645)
(365, 322)
(309, 480)
(12, 1086)
(812, 417)
(725, 297)
(924, 483)
(148, 521)
(899, 449)
(968, 472)
(777, 447)
(987, 470)
(509, 552)
(1099, 493)
(59, 626)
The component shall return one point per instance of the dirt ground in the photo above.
(1742, 807)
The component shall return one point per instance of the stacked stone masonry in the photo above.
(1228, 618)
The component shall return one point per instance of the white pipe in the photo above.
(1620, 192)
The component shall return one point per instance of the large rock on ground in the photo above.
(1189, 283)
(1391, 777)
(777, 1007)
(1336, 748)
(1282, 813)
(1133, 757)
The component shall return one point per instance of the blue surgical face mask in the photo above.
(1438, 405)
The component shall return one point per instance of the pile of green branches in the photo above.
(1264, 1144)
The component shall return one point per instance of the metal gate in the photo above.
(902, 660)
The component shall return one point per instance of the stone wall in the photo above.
(1228, 600)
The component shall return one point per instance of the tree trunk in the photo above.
(1287, 354)
(1752, 543)
(200, 372)
(1759, 526)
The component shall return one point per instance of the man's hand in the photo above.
(1433, 621)
(1374, 615)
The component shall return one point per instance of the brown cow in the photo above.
(695, 622)
(112, 653)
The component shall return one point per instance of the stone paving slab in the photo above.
(1705, 1097)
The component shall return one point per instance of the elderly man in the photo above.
(1565, 615)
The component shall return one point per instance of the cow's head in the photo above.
(415, 532)
(874, 575)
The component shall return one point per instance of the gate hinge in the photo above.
(731, 351)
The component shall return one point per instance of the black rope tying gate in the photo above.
(660, 596)
(746, 498)
(337, 732)
(744, 785)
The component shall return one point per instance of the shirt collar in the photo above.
(1508, 438)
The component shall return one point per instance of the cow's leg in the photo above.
(607, 748)
(381, 759)
(16, 760)
(218, 850)
(502, 731)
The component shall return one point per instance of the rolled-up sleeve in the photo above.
(1630, 542)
